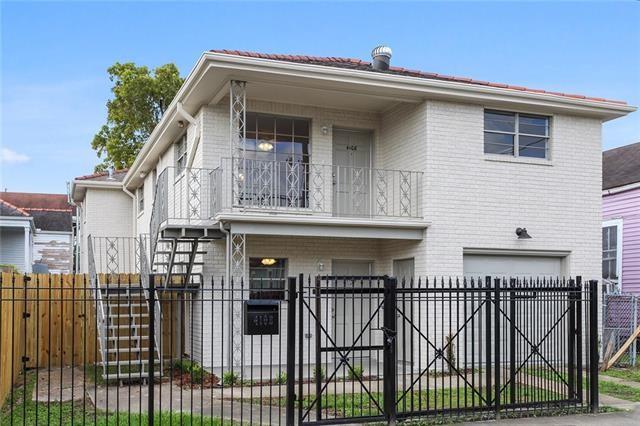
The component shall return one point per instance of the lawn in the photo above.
(83, 412)
(631, 374)
(615, 390)
(363, 404)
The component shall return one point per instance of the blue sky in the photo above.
(55, 55)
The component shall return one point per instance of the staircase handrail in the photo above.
(145, 272)
(159, 211)
(99, 302)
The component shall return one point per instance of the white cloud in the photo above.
(9, 156)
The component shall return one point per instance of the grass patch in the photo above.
(615, 390)
(631, 374)
(28, 412)
(363, 404)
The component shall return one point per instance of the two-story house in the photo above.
(266, 166)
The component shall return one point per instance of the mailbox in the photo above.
(261, 317)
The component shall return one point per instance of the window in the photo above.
(140, 195)
(181, 154)
(277, 150)
(515, 134)
(267, 278)
(612, 250)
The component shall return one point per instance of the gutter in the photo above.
(619, 189)
(196, 141)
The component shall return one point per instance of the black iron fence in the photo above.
(325, 350)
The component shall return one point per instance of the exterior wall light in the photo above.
(522, 234)
(267, 261)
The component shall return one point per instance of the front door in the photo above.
(351, 172)
(403, 270)
(352, 312)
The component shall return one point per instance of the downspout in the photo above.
(184, 114)
(133, 210)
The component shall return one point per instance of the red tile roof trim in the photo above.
(16, 208)
(100, 174)
(366, 66)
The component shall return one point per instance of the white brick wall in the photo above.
(106, 213)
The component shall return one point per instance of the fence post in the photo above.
(594, 357)
(580, 325)
(300, 350)
(152, 349)
(318, 349)
(512, 341)
(389, 360)
(498, 361)
(487, 337)
(291, 351)
(571, 337)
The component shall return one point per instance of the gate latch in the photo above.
(389, 335)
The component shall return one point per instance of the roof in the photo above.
(621, 166)
(8, 209)
(50, 212)
(357, 64)
(118, 176)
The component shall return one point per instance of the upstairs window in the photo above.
(141, 199)
(612, 251)
(516, 134)
(181, 154)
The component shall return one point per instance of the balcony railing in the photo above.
(297, 187)
(195, 196)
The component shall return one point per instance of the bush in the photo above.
(230, 378)
(281, 379)
(356, 373)
(318, 374)
(193, 369)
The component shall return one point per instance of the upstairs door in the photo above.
(351, 172)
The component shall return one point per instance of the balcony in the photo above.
(258, 188)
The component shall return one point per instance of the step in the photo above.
(178, 263)
(179, 252)
(126, 350)
(125, 338)
(124, 304)
(132, 376)
(121, 326)
(127, 362)
(128, 315)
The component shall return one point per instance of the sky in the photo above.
(54, 57)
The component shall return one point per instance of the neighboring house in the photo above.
(16, 237)
(621, 218)
(51, 237)
(265, 166)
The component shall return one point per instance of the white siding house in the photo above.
(326, 166)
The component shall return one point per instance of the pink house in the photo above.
(621, 218)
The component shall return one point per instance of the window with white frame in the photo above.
(516, 134)
(140, 196)
(612, 251)
(181, 154)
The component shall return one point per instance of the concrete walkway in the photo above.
(627, 418)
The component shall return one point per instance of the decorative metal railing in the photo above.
(101, 316)
(295, 186)
(118, 255)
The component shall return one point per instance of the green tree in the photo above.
(140, 97)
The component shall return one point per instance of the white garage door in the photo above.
(476, 265)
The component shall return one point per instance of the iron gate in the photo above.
(372, 349)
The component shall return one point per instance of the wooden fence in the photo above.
(51, 321)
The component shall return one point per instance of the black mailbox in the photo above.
(261, 317)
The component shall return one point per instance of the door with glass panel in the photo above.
(276, 162)
(351, 172)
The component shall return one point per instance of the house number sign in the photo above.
(261, 317)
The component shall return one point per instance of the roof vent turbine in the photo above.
(110, 174)
(381, 58)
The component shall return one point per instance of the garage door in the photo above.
(511, 266)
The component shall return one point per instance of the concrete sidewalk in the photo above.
(630, 418)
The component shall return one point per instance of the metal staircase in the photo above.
(180, 260)
(123, 323)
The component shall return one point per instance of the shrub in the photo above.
(356, 373)
(281, 379)
(230, 378)
(318, 374)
